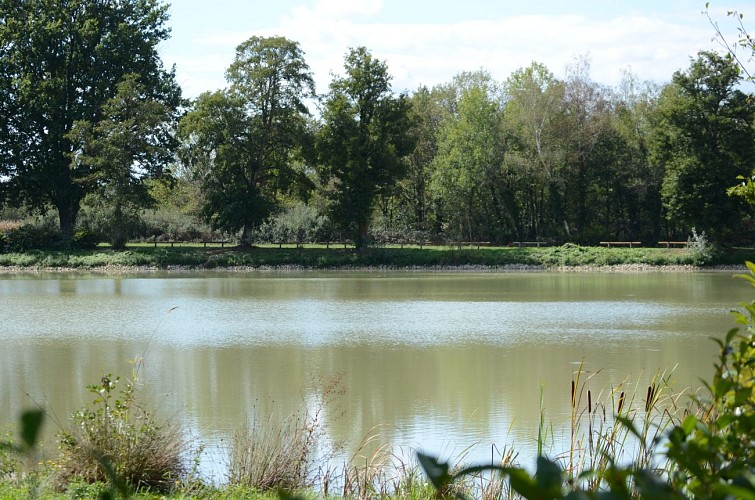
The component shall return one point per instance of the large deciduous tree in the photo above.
(704, 140)
(533, 104)
(244, 142)
(470, 177)
(363, 140)
(585, 132)
(60, 63)
(133, 142)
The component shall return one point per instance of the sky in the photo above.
(427, 42)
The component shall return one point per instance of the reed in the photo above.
(599, 438)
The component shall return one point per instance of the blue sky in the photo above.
(427, 42)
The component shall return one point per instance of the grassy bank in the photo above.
(318, 257)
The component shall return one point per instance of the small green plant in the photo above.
(115, 439)
(700, 248)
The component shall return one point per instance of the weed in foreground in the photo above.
(116, 439)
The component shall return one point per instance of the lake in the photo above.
(440, 361)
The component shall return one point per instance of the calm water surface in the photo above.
(438, 361)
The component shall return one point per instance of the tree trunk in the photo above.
(361, 242)
(246, 236)
(67, 214)
(118, 234)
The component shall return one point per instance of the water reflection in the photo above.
(440, 361)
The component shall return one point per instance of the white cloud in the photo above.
(421, 53)
(431, 54)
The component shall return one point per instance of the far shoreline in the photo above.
(509, 268)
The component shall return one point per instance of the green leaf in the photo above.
(523, 484)
(31, 424)
(742, 395)
(549, 476)
(689, 424)
(436, 471)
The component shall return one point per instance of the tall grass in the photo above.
(598, 438)
(270, 454)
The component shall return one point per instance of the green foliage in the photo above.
(700, 248)
(115, 439)
(704, 140)
(298, 223)
(61, 63)
(469, 178)
(32, 237)
(745, 189)
(712, 453)
(132, 142)
(362, 141)
(319, 257)
(243, 143)
(114, 222)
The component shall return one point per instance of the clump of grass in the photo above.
(10, 464)
(270, 454)
(116, 439)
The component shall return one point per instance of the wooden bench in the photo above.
(529, 244)
(629, 244)
(477, 244)
(204, 243)
(669, 244)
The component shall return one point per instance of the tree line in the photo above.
(93, 122)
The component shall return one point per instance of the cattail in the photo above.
(589, 402)
(573, 401)
(621, 402)
(648, 398)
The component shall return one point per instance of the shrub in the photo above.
(32, 237)
(701, 250)
(297, 223)
(86, 239)
(116, 438)
(270, 455)
(712, 453)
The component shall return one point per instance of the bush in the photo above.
(298, 223)
(270, 455)
(32, 237)
(115, 438)
(701, 250)
(86, 239)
